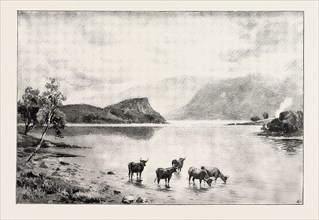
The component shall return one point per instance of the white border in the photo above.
(9, 208)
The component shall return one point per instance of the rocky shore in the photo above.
(51, 178)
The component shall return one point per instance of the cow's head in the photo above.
(143, 162)
(225, 179)
(209, 181)
(173, 169)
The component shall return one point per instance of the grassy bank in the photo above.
(50, 178)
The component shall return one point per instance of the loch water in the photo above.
(262, 170)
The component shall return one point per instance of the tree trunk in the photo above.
(30, 127)
(39, 145)
(26, 129)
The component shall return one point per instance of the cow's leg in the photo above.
(140, 175)
(168, 182)
(165, 182)
(200, 182)
(158, 180)
(193, 181)
(189, 179)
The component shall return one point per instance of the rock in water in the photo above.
(55, 174)
(110, 173)
(128, 199)
(32, 174)
(64, 163)
(43, 165)
(142, 200)
(288, 122)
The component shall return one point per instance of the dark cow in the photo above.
(165, 173)
(215, 172)
(200, 174)
(178, 163)
(136, 168)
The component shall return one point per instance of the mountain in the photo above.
(241, 98)
(137, 110)
(168, 94)
(75, 113)
(164, 95)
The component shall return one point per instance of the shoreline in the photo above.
(51, 179)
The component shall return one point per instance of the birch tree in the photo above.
(49, 115)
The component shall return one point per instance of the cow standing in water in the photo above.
(178, 163)
(136, 168)
(165, 173)
(200, 174)
(215, 172)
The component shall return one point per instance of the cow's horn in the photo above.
(147, 159)
(141, 158)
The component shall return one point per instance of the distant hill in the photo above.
(137, 110)
(164, 95)
(168, 94)
(241, 98)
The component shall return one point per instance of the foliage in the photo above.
(255, 118)
(49, 114)
(28, 108)
(90, 118)
(288, 122)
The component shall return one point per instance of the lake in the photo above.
(262, 170)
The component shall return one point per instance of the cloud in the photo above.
(94, 51)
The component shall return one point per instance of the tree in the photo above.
(28, 108)
(265, 115)
(255, 118)
(49, 115)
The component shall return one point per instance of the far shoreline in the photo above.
(170, 123)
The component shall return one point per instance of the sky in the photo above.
(94, 53)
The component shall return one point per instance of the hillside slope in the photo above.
(241, 98)
(137, 110)
(167, 94)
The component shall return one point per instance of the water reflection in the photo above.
(137, 133)
(137, 183)
(198, 189)
(177, 175)
(290, 146)
(163, 188)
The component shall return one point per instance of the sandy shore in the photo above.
(50, 178)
